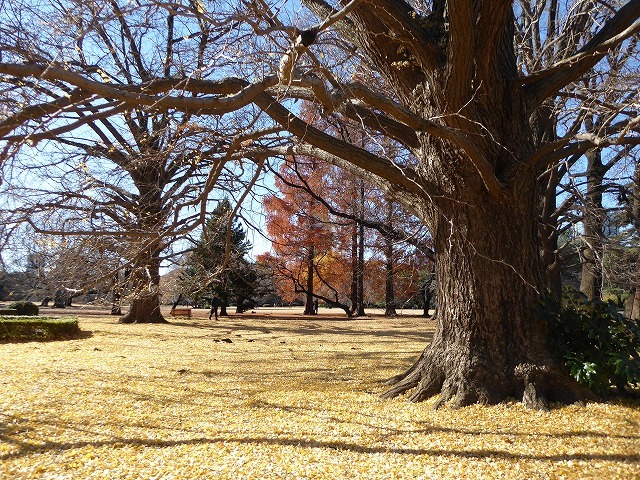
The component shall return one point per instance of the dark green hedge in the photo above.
(25, 308)
(23, 328)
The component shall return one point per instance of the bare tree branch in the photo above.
(545, 83)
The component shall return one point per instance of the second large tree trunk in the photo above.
(488, 345)
(145, 275)
(145, 282)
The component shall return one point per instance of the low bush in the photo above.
(25, 308)
(25, 328)
(597, 343)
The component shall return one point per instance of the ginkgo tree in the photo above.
(131, 176)
(449, 88)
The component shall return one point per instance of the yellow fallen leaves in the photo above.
(251, 398)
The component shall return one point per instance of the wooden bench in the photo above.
(181, 312)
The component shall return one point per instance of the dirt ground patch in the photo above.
(275, 395)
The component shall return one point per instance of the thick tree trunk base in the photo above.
(128, 319)
(463, 383)
(143, 310)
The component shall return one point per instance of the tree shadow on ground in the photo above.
(25, 448)
(313, 326)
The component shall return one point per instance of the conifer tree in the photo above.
(218, 263)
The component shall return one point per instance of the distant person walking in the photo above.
(215, 303)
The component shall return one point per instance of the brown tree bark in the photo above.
(145, 275)
(594, 216)
(145, 283)
(308, 306)
(488, 344)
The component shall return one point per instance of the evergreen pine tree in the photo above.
(209, 270)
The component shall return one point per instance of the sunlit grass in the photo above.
(268, 398)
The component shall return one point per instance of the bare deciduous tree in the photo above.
(450, 89)
(114, 170)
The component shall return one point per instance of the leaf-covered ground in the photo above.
(267, 397)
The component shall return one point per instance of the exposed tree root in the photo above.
(461, 382)
(403, 385)
(397, 378)
(143, 310)
(130, 319)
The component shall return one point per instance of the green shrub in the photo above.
(617, 295)
(25, 308)
(597, 343)
(15, 328)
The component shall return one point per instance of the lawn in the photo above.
(276, 397)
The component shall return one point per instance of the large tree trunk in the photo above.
(145, 283)
(489, 345)
(145, 275)
(224, 302)
(144, 309)
(594, 215)
(240, 304)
